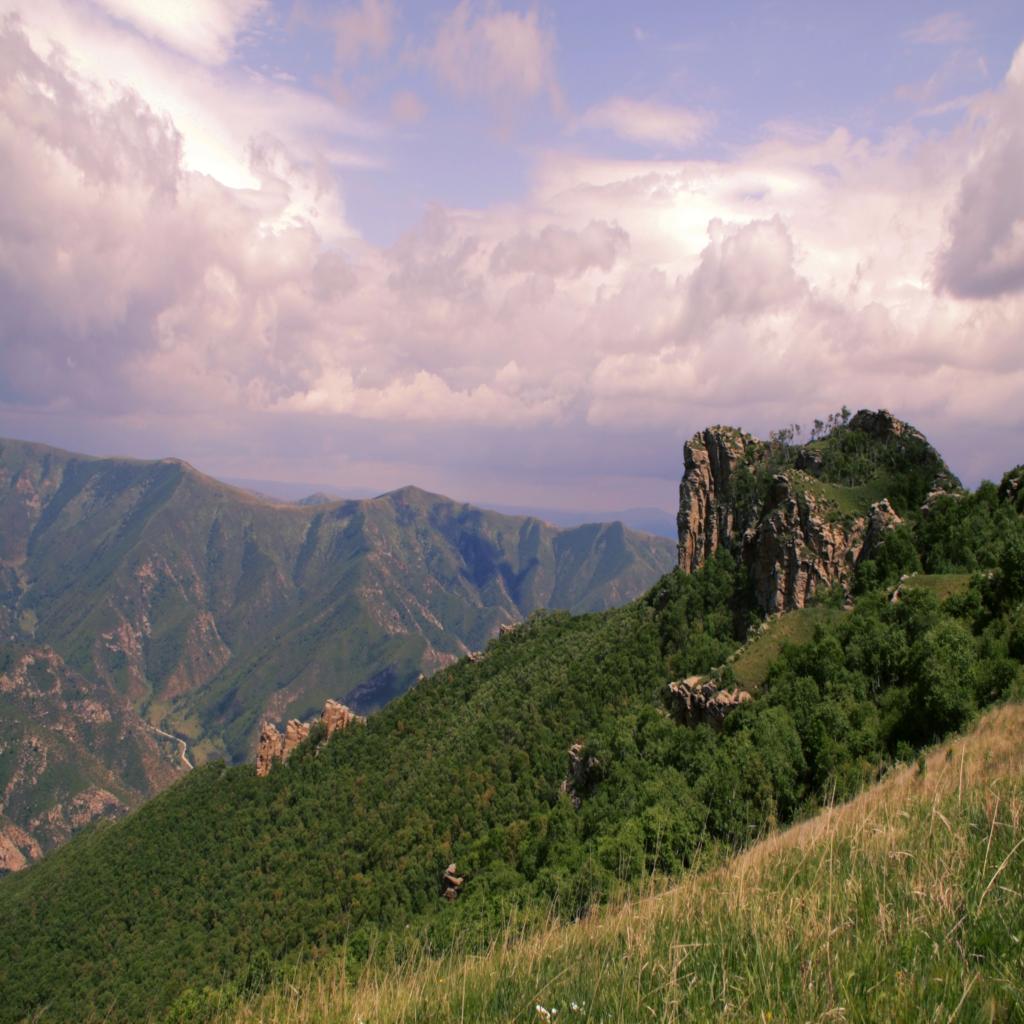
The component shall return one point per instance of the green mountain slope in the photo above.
(205, 608)
(903, 904)
(552, 770)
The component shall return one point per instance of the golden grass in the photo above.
(903, 904)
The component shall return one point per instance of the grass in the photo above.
(849, 501)
(942, 585)
(904, 904)
(796, 627)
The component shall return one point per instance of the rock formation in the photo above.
(581, 770)
(698, 702)
(706, 511)
(786, 527)
(337, 716)
(273, 746)
(451, 883)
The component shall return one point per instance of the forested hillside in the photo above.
(219, 884)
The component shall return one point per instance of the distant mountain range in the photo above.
(175, 602)
(645, 520)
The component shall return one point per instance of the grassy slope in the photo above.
(904, 904)
(797, 627)
(942, 585)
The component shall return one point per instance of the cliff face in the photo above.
(801, 517)
(707, 515)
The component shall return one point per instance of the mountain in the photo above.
(199, 608)
(572, 756)
(71, 750)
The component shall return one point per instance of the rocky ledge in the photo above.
(786, 525)
(275, 746)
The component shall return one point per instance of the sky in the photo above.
(513, 252)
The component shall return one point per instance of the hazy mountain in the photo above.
(204, 607)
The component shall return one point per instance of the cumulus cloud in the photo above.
(561, 252)
(745, 270)
(627, 300)
(648, 122)
(985, 253)
(501, 56)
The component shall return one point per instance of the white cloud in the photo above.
(657, 124)
(984, 256)
(645, 296)
(501, 56)
(204, 29)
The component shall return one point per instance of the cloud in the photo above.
(573, 335)
(407, 107)
(984, 257)
(206, 30)
(559, 252)
(648, 122)
(367, 28)
(501, 56)
(745, 270)
(941, 29)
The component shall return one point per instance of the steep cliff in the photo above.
(802, 517)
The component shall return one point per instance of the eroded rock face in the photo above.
(706, 513)
(451, 883)
(17, 848)
(793, 542)
(696, 701)
(270, 748)
(273, 746)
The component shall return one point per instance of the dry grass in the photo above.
(903, 905)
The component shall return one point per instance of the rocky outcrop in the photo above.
(274, 746)
(451, 883)
(787, 527)
(707, 513)
(582, 767)
(17, 848)
(797, 548)
(695, 701)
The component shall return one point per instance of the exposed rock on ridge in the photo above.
(789, 533)
(273, 746)
(698, 702)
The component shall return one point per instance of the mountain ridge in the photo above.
(207, 607)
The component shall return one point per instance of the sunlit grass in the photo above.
(906, 904)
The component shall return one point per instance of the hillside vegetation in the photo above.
(553, 771)
(907, 903)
